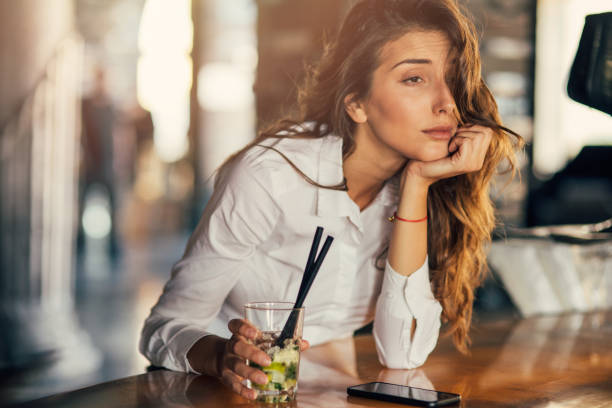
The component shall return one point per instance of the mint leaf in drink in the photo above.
(291, 371)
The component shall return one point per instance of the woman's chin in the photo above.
(427, 152)
(433, 155)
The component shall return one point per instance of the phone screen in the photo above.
(403, 393)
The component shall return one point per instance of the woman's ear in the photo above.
(355, 109)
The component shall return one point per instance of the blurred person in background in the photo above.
(97, 164)
(396, 125)
(136, 125)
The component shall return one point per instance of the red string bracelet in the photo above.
(395, 217)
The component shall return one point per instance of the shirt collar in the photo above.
(330, 173)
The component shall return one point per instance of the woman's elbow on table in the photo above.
(398, 347)
(165, 342)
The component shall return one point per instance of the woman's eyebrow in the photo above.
(412, 61)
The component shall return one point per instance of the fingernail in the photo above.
(267, 361)
(262, 379)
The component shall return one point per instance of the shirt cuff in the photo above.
(180, 345)
(413, 289)
(405, 297)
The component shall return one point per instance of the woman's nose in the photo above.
(444, 103)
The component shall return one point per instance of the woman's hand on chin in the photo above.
(467, 152)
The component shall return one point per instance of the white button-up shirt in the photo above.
(252, 244)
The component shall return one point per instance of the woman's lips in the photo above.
(440, 133)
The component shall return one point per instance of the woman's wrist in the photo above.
(413, 179)
(205, 354)
(414, 184)
(413, 198)
(408, 245)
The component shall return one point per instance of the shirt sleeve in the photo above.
(240, 215)
(402, 299)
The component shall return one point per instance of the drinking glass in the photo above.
(270, 318)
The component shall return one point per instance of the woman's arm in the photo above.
(406, 300)
(241, 214)
(407, 321)
(467, 152)
(408, 246)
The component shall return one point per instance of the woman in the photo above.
(395, 120)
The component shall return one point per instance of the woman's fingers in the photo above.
(238, 366)
(453, 146)
(467, 152)
(239, 346)
(464, 158)
(234, 381)
(469, 147)
(461, 135)
(455, 143)
(243, 328)
(304, 345)
(237, 350)
(234, 368)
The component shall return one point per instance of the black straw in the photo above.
(311, 259)
(312, 268)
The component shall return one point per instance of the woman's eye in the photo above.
(413, 80)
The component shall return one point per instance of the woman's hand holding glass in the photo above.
(232, 366)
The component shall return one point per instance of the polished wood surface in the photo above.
(551, 361)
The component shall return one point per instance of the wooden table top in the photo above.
(549, 361)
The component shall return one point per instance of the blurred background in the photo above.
(114, 113)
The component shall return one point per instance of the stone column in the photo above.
(39, 146)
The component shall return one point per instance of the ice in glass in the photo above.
(270, 318)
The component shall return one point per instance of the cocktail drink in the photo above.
(269, 318)
(282, 372)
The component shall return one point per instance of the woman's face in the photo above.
(410, 109)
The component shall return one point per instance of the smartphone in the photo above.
(403, 394)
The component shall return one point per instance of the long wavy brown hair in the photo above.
(461, 211)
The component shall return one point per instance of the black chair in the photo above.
(590, 81)
(581, 193)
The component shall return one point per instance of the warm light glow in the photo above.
(161, 78)
(166, 27)
(225, 87)
(97, 221)
(165, 73)
(225, 82)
